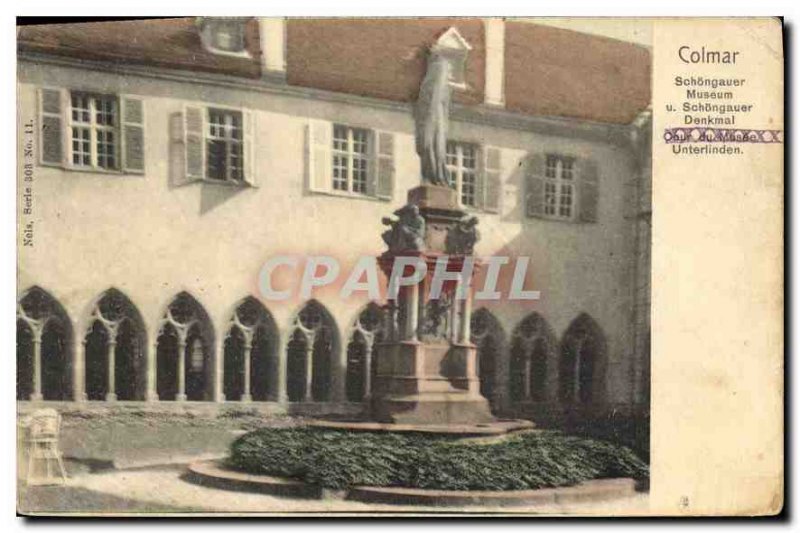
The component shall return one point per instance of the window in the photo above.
(224, 35)
(94, 126)
(559, 187)
(462, 171)
(229, 36)
(350, 159)
(224, 144)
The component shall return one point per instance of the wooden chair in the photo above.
(44, 426)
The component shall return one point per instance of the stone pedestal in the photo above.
(426, 374)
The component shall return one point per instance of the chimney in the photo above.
(494, 36)
(273, 45)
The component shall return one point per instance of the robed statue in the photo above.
(431, 115)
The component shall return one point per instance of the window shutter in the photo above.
(534, 185)
(319, 138)
(52, 109)
(133, 134)
(492, 180)
(384, 165)
(587, 190)
(249, 147)
(194, 142)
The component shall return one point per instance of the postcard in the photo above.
(400, 267)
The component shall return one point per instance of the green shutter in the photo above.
(51, 126)
(588, 190)
(534, 185)
(133, 134)
(491, 181)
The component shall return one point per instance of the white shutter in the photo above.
(178, 163)
(319, 140)
(194, 142)
(249, 147)
(383, 165)
(588, 190)
(132, 126)
(491, 180)
(53, 106)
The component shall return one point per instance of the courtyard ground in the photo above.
(133, 462)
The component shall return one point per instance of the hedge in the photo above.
(338, 459)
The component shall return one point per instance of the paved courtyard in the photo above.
(163, 490)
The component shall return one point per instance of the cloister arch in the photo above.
(45, 355)
(487, 334)
(583, 352)
(251, 370)
(368, 330)
(185, 352)
(310, 355)
(533, 356)
(115, 350)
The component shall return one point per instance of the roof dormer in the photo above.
(224, 35)
(453, 47)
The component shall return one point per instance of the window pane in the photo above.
(566, 169)
(217, 154)
(81, 149)
(468, 188)
(550, 167)
(565, 208)
(549, 198)
(360, 175)
(225, 150)
(340, 138)
(80, 108)
(339, 172)
(468, 156)
(105, 111)
(237, 169)
(350, 156)
(105, 149)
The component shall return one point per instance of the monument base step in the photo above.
(432, 408)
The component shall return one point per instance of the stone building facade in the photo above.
(174, 157)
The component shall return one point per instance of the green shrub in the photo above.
(337, 459)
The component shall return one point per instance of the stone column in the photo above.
(392, 333)
(466, 316)
(111, 395)
(526, 378)
(308, 396)
(248, 349)
(369, 342)
(79, 371)
(151, 394)
(412, 313)
(37, 365)
(218, 372)
(181, 394)
(282, 377)
(455, 319)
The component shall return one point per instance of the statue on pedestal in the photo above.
(431, 115)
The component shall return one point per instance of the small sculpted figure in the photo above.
(407, 233)
(462, 237)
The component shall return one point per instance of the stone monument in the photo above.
(426, 370)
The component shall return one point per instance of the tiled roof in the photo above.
(171, 43)
(548, 71)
